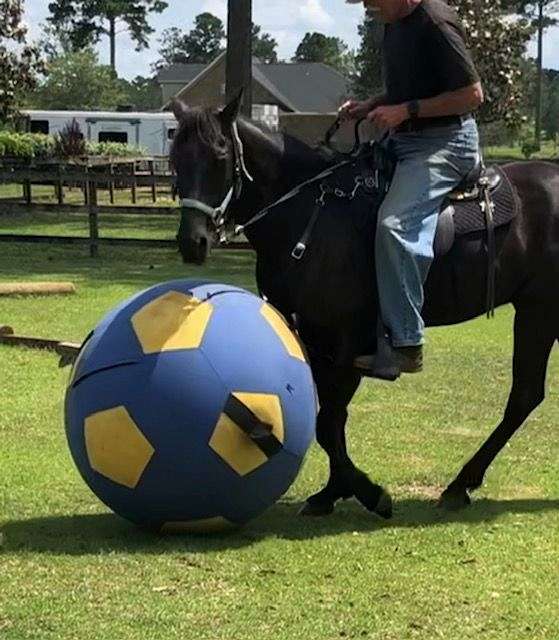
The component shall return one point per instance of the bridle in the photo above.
(218, 215)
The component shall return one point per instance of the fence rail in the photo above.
(90, 180)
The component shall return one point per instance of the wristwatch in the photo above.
(413, 109)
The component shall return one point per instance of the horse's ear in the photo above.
(230, 112)
(178, 108)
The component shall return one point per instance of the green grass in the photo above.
(77, 224)
(547, 151)
(70, 569)
(45, 194)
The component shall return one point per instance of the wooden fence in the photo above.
(119, 174)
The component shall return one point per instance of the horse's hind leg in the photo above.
(535, 332)
(336, 386)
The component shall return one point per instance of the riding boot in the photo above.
(389, 362)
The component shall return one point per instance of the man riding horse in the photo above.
(432, 88)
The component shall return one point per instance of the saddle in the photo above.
(484, 200)
(464, 209)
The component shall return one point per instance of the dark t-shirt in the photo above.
(425, 54)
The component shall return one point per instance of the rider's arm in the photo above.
(377, 101)
(452, 103)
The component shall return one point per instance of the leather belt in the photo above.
(420, 124)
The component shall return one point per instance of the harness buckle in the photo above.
(299, 250)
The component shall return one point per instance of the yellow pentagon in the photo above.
(116, 448)
(209, 525)
(232, 444)
(279, 325)
(172, 321)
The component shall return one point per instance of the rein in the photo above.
(295, 191)
(217, 215)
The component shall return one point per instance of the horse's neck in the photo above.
(277, 163)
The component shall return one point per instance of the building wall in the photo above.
(312, 127)
(169, 90)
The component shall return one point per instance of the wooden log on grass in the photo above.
(68, 351)
(36, 288)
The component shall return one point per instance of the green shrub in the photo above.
(115, 149)
(67, 144)
(26, 145)
(528, 148)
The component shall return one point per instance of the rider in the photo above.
(432, 87)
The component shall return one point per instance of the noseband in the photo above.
(218, 215)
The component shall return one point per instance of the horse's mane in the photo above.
(203, 122)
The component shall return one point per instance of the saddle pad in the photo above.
(468, 216)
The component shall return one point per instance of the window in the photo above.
(113, 136)
(170, 134)
(39, 126)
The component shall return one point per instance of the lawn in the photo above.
(71, 569)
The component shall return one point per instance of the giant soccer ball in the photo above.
(191, 407)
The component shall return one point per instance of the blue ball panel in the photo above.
(176, 397)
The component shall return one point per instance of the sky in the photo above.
(286, 20)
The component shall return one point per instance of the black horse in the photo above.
(331, 290)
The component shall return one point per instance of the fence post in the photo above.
(134, 183)
(111, 184)
(153, 185)
(27, 191)
(85, 187)
(93, 221)
(59, 189)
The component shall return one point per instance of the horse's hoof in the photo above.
(453, 499)
(372, 496)
(384, 506)
(316, 509)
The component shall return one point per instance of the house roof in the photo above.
(309, 86)
(179, 73)
(305, 86)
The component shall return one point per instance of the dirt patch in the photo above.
(430, 491)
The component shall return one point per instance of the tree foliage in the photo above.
(368, 79)
(201, 44)
(144, 94)
(497, 46)
(316, 47)
(76, 80)
(206, 41)
(263, 45)
(20, 63)
(89, 20)
(530, 9)
(550, 116)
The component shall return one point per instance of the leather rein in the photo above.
(218, 215)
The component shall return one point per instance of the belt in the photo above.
(420, 124)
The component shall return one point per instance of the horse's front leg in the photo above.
(336, 387)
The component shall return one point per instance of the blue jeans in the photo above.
(430, 164)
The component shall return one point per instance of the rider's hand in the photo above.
(388, 116)
(354, 109)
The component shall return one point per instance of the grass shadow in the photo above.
(87, 534)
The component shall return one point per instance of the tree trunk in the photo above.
(112, 40)
(538, 133)
(239, 53)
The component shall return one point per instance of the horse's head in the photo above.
(203, 159)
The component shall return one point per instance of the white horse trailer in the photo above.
(152, 131)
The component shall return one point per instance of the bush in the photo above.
(70, 142)
(67, 144)
(26, 145)
(115, 149)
